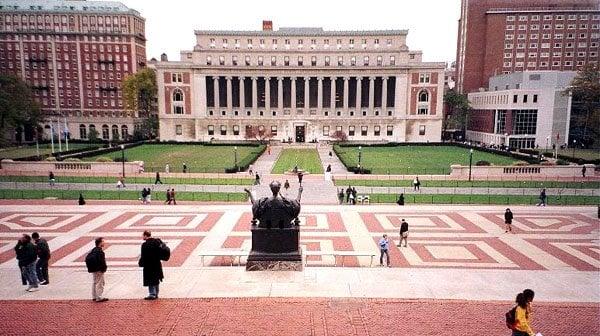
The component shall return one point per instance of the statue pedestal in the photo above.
(275, 250)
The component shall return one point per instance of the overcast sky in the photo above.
(170, 24)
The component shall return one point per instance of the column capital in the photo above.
(293, 78)
(229, 78)
(280, 78)
(359, 78)
(254, 78)
(267, 79)
(306, 78)
(385, 78)
(241, 78)
(346, 78)
(372, 78)
(320, 78)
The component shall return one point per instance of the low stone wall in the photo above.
(461, 172)
(10, 167)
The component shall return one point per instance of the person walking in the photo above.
(300, 176)
(148, 195)
(286, 186)
(508, 217)
(43, 253)
(27, 256)
(52, 180)
(416, 184)
(400, 200)
(341, 195)
(184, 168)
(328, 170)
(144, 194)
(354, 194)
(256, 179)
(348, 192)
(542, 198)
(157, 179)
(403, 233)
(168, 200)
(384, 245)
(151, 263)
(81, 200)
(583, 170)
(167, 168)
(173, 196)
(96, 264)
(523, 314)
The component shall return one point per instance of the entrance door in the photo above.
(300, 130)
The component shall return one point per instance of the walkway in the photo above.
(337, 167)
(264, 164)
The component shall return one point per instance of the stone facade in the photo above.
(301, 84)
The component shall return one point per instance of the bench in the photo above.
(336, 254)
(362, 199)
(232, 254)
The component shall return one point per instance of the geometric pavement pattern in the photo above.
(443, 238)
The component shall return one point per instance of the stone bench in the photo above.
(232, 254)
(336, 254)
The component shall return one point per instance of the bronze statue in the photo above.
(275, 211)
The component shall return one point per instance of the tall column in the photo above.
(332, 93)
(358, 94)
(280, 93)
(346, 79)
(293, 93)
(229, 94)
(268, 94)
(306, 93)
(384, 88)
(242, 88)
(320, 93)
(216, 94)
(254, 95)
(371, 93)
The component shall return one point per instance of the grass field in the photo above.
(119, 195)
(586, 154)
(409, 160)
(474, 184)
(485, 199)
(136, 180)
(306, 159)
(198, 158)
(30, 150)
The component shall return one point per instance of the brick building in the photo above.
(74, 54)
(300, 84)
(498, 37)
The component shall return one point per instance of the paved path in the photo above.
(264, 164)
(288, 317)
(337, 167)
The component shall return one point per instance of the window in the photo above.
(379, 60)
(82, 132)
(366, 60)
(350, 130)
(208, 60)
(392, 60)
(535, 98)
(327, 61)
(424, 78)
(325, 130)
(353, 60)
(364, 130)
(178, 130)
(223, 130)
(260, 61)
(377, 131)
(236, 130)
(313, 60)
(247, 60)
(177, 78)
(423, 96)
(421, 129)
(234, 60)
(211, 130)
(525, 97)
(390, 130)
(300, 61)
(515, 98)
(221, 60)
(177, 101)
(273, 60)
(286, 60)
(105, 132)
(340, 60)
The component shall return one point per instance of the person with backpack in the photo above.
(150, 261)
(27, 256)
(43, 252)
(508, 217)
(96, 264)
(518, 319)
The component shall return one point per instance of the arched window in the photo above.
(423, 96)
(178, 102)
(177, 95)
(115, 131)
(105, 135)
(423, 102)
(124, 132)
(82, 132)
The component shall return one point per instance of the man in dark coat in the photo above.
(152, 267)
(508, 217)
(43, 253)
(100, 268)
(26, 256)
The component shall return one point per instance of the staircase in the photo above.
(316, 189)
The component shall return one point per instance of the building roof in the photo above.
(302, 31)
(62, 6)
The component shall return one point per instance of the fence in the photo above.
(485, 199)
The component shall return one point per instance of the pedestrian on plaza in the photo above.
(52, 180)
(184, 168)
(542, 198)
(300, 175)
(144, 194)
(523, 314)
(328, 168)
(148, 195)
(330, 154)
(173, 196)
(351, 200)
(269, 149)
(96, 264)
(257, 179)
(81, 200)
(157, 179)
(354, 194)
(27, 257)
(43, 253)
(400, 200)
(416, 184)
(583, 169)
(384, 245)
(168, 200)
(348, 192)
(167, 168)
(151, 263)
(403, 233)
(508, 217)
(341, 195)
(286, 185)
(250, 167)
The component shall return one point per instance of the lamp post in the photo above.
(123, 159)
(470, 163)
(574, 145)
(359, 158)
(235, 158)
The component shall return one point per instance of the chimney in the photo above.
(164, 57)
(267, 25)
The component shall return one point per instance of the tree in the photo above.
(258, 133)
(17, 106)
(140, 94)
(340, 136)
(585, 115)
(93, 135)
(457, 112)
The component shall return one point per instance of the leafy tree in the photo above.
(17, 106)
(258, 133)
(340, 136)
(93, 135)
(140, 94)
(458, 111)
(585, 90)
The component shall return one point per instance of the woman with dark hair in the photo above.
(523, 314)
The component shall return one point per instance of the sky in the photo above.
(170, 25)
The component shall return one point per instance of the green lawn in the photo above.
(198, 158)
(119, 195)
(586, 154)
(305, 159)
(133, 179)
(474, 184)
(417, 160)
(484, 199)
(30, 150)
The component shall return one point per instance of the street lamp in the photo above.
(123, 159)
(359, 158)
(574, 145)
(470, 163)
(235, 158)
